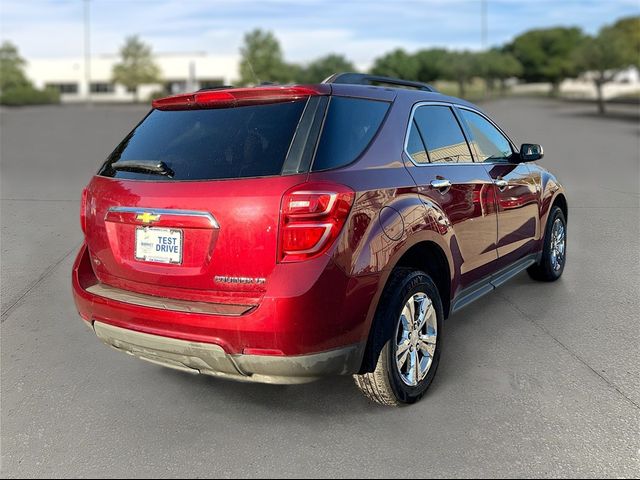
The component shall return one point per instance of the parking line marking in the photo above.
(571, 352)
(44, 275)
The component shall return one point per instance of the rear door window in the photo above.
(349, 127)
(249, 141)
(441, 134)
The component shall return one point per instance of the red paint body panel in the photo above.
(247, 211)
(276, 323)
(468, 211)
(519, 226)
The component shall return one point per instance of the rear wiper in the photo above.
(146, 166)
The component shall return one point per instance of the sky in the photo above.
(306, 29)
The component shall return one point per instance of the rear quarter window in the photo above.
(349, 127)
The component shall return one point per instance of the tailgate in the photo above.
(206, 236)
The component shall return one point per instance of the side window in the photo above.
(488, 142)
(415, 147)
(349, 127)
(442, 134)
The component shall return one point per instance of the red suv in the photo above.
(280, 234)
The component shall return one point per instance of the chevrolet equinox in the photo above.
(280, 234)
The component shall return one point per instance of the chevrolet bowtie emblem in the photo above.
(147, 217)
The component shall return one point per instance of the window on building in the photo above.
(102, 87)
(64, 88)
(442, 135)
(175, 87)
(211, 83)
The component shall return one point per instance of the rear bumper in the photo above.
(315, 328)
(211, 359)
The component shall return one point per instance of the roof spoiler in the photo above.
(236, 97)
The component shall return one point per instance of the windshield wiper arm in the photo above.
(146, 166)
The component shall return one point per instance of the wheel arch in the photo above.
(561, 201)
(427, 256)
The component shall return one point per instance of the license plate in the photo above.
(161, 245)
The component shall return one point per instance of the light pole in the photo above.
(484, 28)
(87, 51)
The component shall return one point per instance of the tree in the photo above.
(629, 29)
(615, 48)
(15, 88)
(295, 73)
(548, 55)
(460, 67)
(137, 66)
(262, 60)
(430, 64)
(496, 65)
(397, 63)
(11, 68)
(323, 67)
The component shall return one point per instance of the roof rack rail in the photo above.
(366, 79)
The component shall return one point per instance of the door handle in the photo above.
(501, 184)
(440, 183)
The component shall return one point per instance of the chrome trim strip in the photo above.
(171, 304)
(165, 211)
(453, 106)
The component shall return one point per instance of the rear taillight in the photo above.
(83, 210)
(311, 218)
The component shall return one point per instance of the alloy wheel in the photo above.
(416, 337)
(558, 244)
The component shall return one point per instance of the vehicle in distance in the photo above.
(280, 234)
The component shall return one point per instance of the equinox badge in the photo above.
(240, 280)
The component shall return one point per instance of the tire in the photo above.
(388, 384)
(554, 255)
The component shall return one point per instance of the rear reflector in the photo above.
(237, 97)
(264, 352)
(304, 238)
(83, 210)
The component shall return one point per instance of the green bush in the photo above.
(28, 95)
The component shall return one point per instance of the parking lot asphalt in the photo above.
(535, 379)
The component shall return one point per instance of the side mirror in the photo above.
(530, 152)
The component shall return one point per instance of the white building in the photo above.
(626, 82)
(180, 72)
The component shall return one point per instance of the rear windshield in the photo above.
(250, 141)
